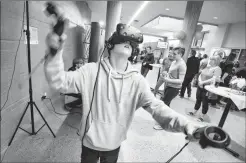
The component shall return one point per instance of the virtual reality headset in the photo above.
(124, 34)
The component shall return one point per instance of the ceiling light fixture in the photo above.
(167, 9)
(138, 12)
(215, 17)
(101, 23)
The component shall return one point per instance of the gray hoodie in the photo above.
(117, 97)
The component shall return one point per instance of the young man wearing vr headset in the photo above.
(112, 90)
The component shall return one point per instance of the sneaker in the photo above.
(189, 96)
(158, 127)
(181, 96)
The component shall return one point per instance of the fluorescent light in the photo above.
(167, 9)
(215, 17)
(138, 12)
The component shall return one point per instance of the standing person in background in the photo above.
(174, 79)
(203, 64)
(192, 70)
(77, 63)
(175, 76)
(166, 63)
(208, 75)
(199, 56)
(148, 59)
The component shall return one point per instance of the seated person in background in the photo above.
(77, 63)
(241, 72)
(226, 66)
(166, 63)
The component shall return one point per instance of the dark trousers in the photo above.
(169, 94)
(92, 156)
(186, 84)
(144, 71)
(201, 98)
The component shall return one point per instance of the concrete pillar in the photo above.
(192, 14)
(112, 17)
(94, 42)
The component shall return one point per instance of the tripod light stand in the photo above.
(31, 103)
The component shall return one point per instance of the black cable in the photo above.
(13, 73)
(99, 66)
(15, 60)
(63, 115)
(178, 152)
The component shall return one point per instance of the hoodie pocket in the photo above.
(106, 135)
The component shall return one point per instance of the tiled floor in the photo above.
(144, 144)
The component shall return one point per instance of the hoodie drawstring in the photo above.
(109, 76)
(122, 83)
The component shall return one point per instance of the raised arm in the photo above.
(63, 81)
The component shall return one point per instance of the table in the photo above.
(238, 100)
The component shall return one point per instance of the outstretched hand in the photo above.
(194, 133)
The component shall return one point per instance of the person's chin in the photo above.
(125, 54)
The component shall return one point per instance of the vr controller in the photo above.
(125, 33)
(220, 138)
(59, 27)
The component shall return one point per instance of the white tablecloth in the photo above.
(239, 100)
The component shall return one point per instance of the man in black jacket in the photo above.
(192, 70)
(148, 59)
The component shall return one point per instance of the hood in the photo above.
(112, 74)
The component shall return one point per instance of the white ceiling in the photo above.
(227, 12)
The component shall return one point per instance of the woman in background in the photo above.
(208, 75)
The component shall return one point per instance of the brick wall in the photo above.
(11, 23)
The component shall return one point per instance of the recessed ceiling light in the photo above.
(215, 17)
(167, 9)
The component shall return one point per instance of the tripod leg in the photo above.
(32, 118)
(44, 119)
(19, 123)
